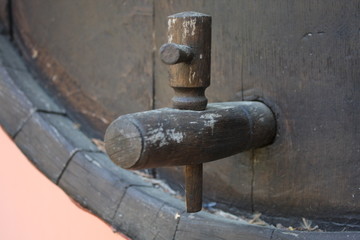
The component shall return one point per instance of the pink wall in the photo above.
(32, 207)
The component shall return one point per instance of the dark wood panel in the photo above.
(9, 56)
(301, 59)
(308, 68)
(99, 59)
(33, 91)
(4, 16)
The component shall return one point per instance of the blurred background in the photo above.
(32, 207)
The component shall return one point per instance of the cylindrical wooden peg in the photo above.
(190, 79)
(172, 53)
(173, 137)
(193, 187)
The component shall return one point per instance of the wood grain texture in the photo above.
(290, 54)
(206, 226)
(172, 53)
(20, 96)
(302, 59)
(9, 55)
(190, 79)
(15, 106)
(230, 187)
(194, 187)
(172, 137)
(4, 16)
(308, 68)
(41, 141)
(33, 91)
(191, 29)
(156, 218)
(239, 175)
(296, 235)
(92, 179)
(98, 60)
(96, 184)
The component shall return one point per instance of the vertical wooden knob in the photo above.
(191, 32)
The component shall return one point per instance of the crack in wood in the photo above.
(66, 165)
(252, 159)
(177, 225)
(271, 235)
(23, 123)
(122, 198)
(72, 155)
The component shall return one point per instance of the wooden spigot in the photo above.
(172, 137)
(188, 52)
(192, 132)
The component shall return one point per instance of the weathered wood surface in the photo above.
(194, 187)
(96, 184)
(303, 58)
(156, 218)
(9, 56)
(18, 105)
(311, 67)
(225, 188)
(15, 106)
(300, 56)
(295, 235)
(191, 226)
(92, 58)
(4, 16)
(189, 79)
(50, 151)
(33, 92)
(173, 137)
(123, 199)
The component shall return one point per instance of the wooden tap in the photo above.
(191, 133)
(173, 137)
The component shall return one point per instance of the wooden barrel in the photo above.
(95, 60)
